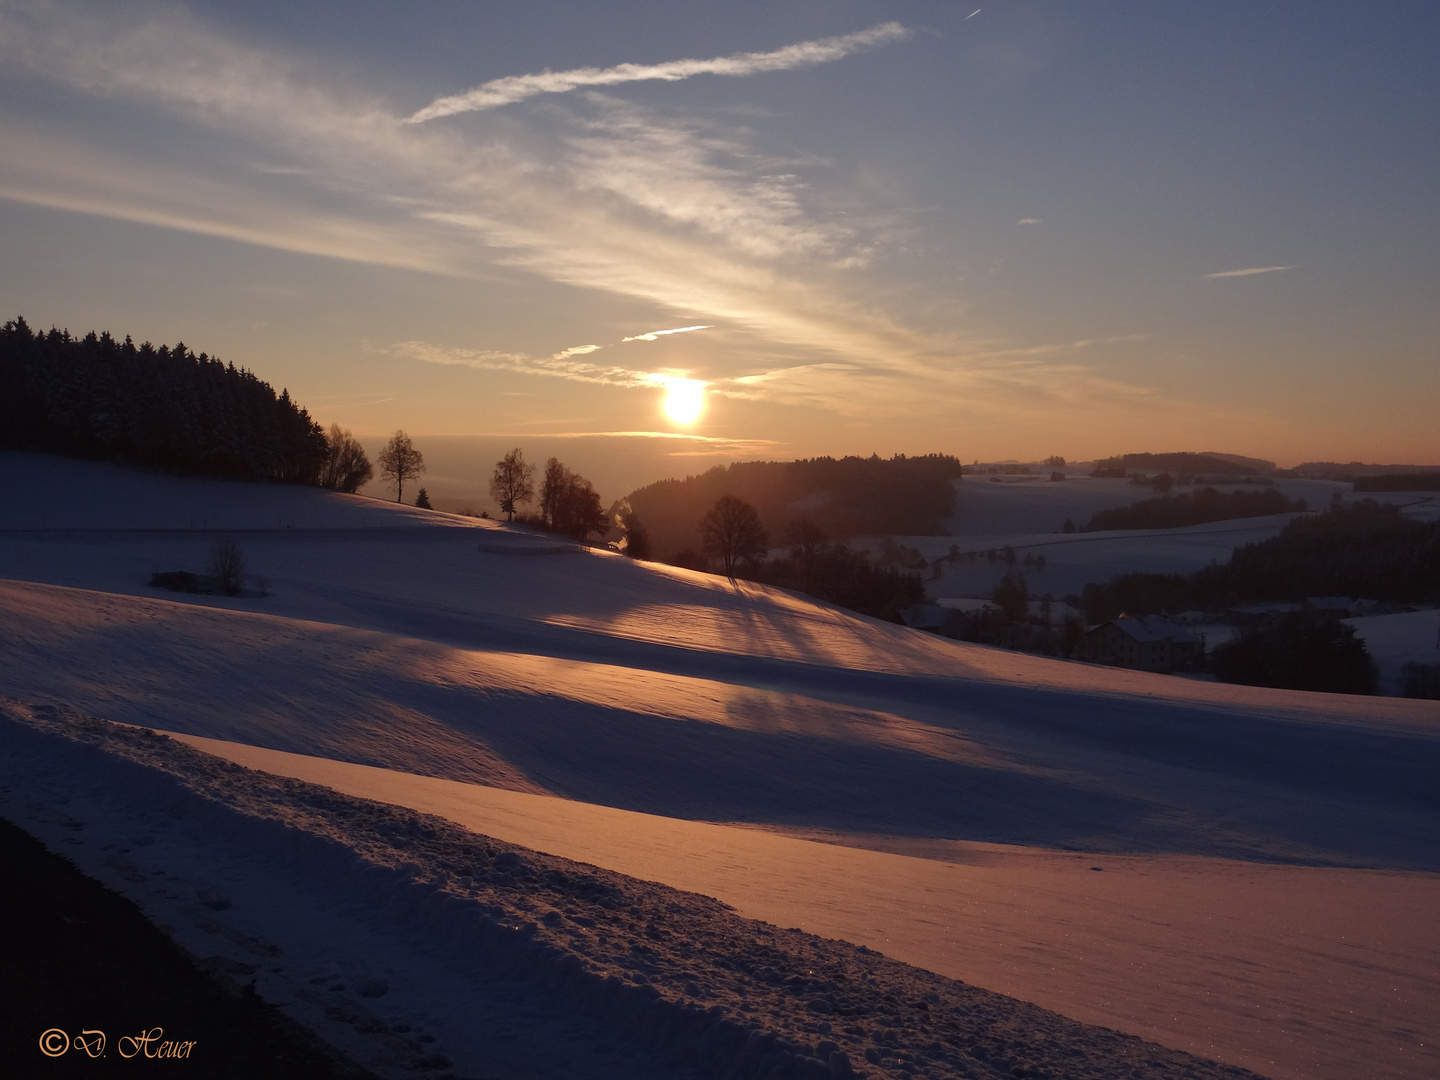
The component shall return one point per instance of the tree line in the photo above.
(1183, 463)
(733, 536)
(846, 497)
(173, 410)
(734, 542)
(164, 408)
(568, 503)
(1365, 550)
(1192, 508)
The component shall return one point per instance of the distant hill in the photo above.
(1194, 508)
(845, 497)
(1353, 470)
(1414, 481)
(1207, 464)
(1363, 550)
(1252, 466)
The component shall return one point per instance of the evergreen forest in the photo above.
(163, 408)
(1197, 507)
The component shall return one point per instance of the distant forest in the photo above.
(1214, 464)
(1350, 472)
(1367, 550)
(1422, 481)
(162, 408)
(1194, 508)
(845, 497)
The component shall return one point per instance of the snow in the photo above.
(1039, 506)
(1407, 637)
(933, 795)
(416, 946)
(1023, 921)
(1028, 518)
(1072, 560)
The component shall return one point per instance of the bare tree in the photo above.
(513, 482)
(569, 504)
(346, 467)
(227, 567)
(400, 461)
(578, 512)
(552, 490)
(732, 531)
(807, 543)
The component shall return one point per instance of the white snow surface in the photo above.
(1028, 516)
(424, 647)
(1406, 637)
(417, 946)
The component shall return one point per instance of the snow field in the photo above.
(688, 986)
(1399, 639)
(1253, 941)
(414, 643)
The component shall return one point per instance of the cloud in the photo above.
(1029, 221)
(561, 365)
(654, 335)
(670, 211)
(513, 88)
(749, 445)
(1248, 271)
(683, 215)
(577, 350)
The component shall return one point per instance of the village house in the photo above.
(945, 621)
(1149, 644)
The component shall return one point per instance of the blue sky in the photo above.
(994, 230)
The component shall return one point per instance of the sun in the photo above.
(684, 399)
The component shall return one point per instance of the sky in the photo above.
(995, 230)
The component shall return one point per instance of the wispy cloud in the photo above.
(1248, 271)
(513, 88)
(676, 214)
(655, 335)
(665, 210)
(561, 365)
(1029, 221)
(749, 445)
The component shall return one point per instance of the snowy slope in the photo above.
(423, 643)
(1028, 517)
(417, 946)
(1409, 637)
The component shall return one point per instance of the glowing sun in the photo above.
(684, 398)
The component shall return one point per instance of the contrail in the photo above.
(654, 334)
(514, 88)
(1249, 270)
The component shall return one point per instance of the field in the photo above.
(1028, 515)
(1242, 874)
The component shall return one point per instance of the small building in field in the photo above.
(1149, 644)
(934, 619)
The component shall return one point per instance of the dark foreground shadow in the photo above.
(79, 956)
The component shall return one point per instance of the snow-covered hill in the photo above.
(434, 646)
